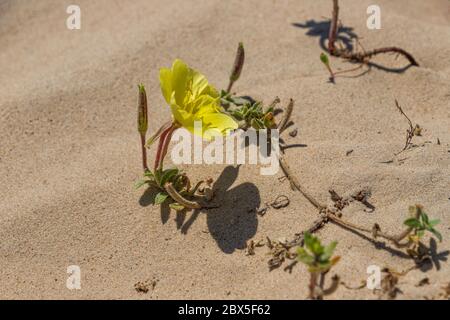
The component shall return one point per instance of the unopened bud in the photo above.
(324, 59)
(142, 111)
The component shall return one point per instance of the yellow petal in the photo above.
(220, 121)
(181, 74)
(165, 81)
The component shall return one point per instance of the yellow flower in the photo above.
(191, 98)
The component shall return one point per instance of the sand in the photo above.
(70, 154)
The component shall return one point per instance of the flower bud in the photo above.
(142, 111)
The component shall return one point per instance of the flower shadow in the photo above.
(233, 223)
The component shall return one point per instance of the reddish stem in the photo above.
(162, 139)
(144, 153)
(165, 146)
(333, 28)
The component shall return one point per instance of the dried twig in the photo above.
(361, 57)
(286, 117)
(296, 184)
(190, 204)
(409, 131)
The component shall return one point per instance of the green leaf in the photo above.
(412, 223)
(424, 217)
(257, 124)
(176, 206)
(239, 101)
(328, 251)
(304, 257)
(238, 115)
(149, 174)
(309, 240)
(161, 197)
(433, 223)
(324, 58)
(157, 174)
(324, 266)
(140, 183)
(167, 175)
(437, 234)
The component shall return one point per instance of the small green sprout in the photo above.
(326, 62)
(317, 257)
(319, 260)
(422, 223)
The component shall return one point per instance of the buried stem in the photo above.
(375, 231)
(326, 215)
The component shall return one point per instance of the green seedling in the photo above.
(418, 225)
(173, 186)
(326, 62)
(319, 260)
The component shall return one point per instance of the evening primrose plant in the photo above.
(191, 99)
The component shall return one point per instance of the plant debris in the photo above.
(423, 282)
(145, 286)
(281, 201)
(359, 57)
(410, 132)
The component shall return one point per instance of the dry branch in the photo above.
(361, 57)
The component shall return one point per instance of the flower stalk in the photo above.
(142, 123)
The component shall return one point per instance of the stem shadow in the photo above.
(233, 223)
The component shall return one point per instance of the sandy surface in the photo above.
(69, 150)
